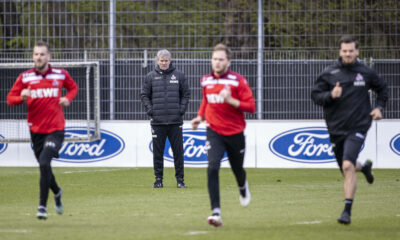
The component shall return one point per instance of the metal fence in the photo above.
(285, 94)
(286, 84)
(279, 46)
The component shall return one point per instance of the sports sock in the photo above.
(242, 190)
(216, 212)
(347, 205)
(41, 207)
(58, 193)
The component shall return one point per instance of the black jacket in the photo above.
(350, 112)
(165, 95)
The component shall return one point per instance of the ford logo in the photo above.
(110, 145)
(3, 146)
(194, 147)
(395, 144)
(304, 145)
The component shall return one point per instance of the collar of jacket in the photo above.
(222, 76)
(44, 74)
(341, 64)
(170, 69)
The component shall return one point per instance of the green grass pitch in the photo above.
(119, 203)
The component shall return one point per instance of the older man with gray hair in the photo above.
(165, 95)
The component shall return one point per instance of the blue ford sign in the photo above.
(395, 144)
(110, 145)
(3, 146)
(194, 147)
(304, 145)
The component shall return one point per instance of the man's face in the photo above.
(219, 62)
(348, 52)
(163, 63)
(41, 57)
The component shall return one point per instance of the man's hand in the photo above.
(226, 94)
(336, 91)
(195, 122)
(376, 114)
(25, 93)
(64, 102)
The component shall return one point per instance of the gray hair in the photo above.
(164, 53)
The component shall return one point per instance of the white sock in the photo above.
(216, 211)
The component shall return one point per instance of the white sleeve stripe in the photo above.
(55, 76)
(229, 82)
(31, 78)
(207, 82)
(220, 81)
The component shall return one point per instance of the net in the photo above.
(83, 113)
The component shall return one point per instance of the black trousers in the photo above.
(174, 134)
(46, 147)
(217, 145)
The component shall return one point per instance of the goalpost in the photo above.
(83, 113)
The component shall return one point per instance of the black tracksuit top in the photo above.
(350, 112)
(165, 95)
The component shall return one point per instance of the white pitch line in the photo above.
(14, 230)
(196, 232)
(86, 171)
(311, 222)
(397, 215)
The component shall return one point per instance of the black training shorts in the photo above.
(347, 147)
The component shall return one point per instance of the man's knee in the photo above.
(348, 166)
(47, 154)
(213, 169)
(44, 164)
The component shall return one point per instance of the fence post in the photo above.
(260, 60)
(112, 55)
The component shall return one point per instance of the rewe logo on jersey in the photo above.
(194, 147)
(3, 146)
(215, 98)
(395, 144)
(305, 145)
(110, 145)
(44, 93)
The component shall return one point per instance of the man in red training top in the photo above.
(226, 96)
(40, 87)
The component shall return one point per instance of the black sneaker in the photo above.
(158, 183)
(180, 184)
(345, 218)
(366, 170)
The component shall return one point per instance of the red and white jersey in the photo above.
(220, 116)
(45, 115)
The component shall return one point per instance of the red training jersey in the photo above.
(220, 116)
(45, 115)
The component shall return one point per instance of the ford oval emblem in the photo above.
(194, 147)
(395, 144)
(3, 146)
(304, 145)
(110, 145)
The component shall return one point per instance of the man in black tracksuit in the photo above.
(165, 95)
(342, 91)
